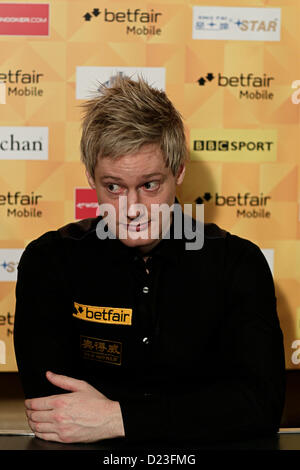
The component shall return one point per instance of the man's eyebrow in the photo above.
(116, 178)
(110, 177)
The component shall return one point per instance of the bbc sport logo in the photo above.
(236, 23)
(89, 79)
(233, 145)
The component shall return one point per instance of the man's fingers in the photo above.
(65, 382)
(51, 436)
(41, 427)
(43, 403)
(40, 416)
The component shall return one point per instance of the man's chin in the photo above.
(144, 245)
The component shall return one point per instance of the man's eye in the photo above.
(113, 188)
(150, 185)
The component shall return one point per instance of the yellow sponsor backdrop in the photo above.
(244, 163)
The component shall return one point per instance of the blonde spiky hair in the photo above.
(126, 116)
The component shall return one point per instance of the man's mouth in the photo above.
(137, 227)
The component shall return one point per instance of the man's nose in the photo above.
(134, 208)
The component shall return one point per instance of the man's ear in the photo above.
(90, 180)
(180, 174)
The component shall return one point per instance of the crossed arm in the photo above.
(244, 398)
(84, 415)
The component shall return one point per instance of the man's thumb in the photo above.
(65, 382)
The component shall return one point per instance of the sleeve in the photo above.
(42, 337)
(245, 396)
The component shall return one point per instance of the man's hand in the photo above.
(85, 415)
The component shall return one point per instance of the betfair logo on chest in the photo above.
(107, 315)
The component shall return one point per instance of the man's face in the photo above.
(141, 178)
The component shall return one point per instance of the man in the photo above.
(133, 336)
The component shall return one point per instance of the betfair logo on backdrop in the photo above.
(22, 83)
(109, 315)
(247, 205)
(136, 21)
(249, 86)
(234, 145)
(21, 205)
